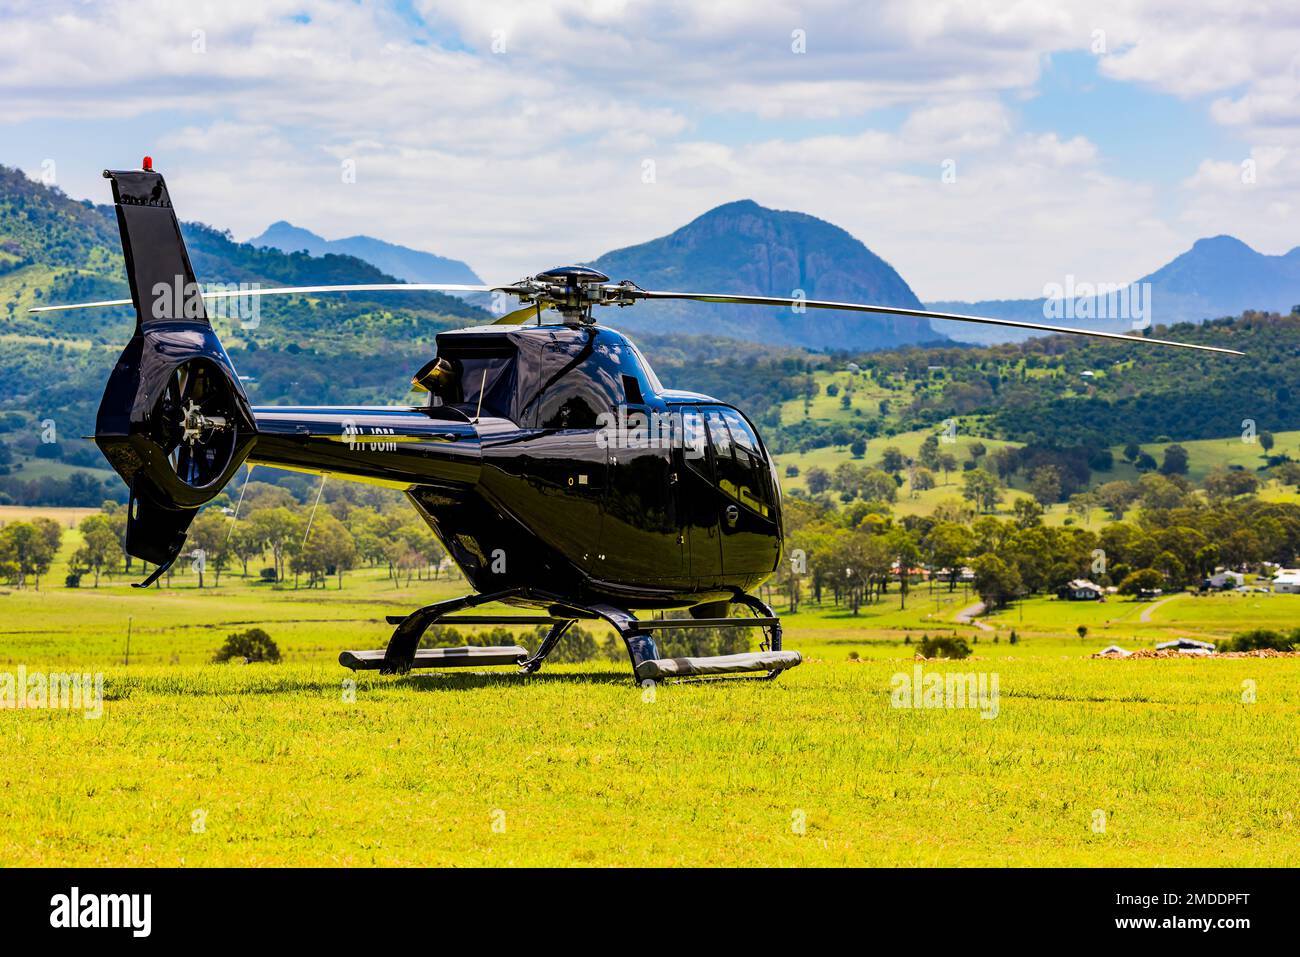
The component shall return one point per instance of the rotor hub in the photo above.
(573, 290)
(196, 425)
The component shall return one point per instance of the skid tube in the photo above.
(404, 653)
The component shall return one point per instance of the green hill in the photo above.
(54, 249)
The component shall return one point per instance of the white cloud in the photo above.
(519, 160)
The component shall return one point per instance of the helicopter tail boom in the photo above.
(392, 446)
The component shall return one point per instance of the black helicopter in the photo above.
(558, 472)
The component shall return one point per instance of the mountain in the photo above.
(1219, 276)
(743, 247)
(409, 265)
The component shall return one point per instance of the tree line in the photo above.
(272, 536)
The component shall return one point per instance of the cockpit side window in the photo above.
(742, 471)
(476, 382)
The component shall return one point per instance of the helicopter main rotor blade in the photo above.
(297, 291)
(922, 314)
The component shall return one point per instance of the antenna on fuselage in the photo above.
(481, 386)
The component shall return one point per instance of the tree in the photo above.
(1117, 497)
(878, 486)
(245, 544)
(847, 480)
(1081, 504)
(278, 529)
(947, 462)
(929, 453)
(207, 536)
(328, 549)
(948, 545)
(1160, 491)
(1131, 452)
(1175, 462)
(1144, 579)
(1223, 484)
(1207, 557)
(922, 480)
(101, 550)
(1045, 484)
(29, 548)
(996, 582)
(1028, 513)
(892, 460)
(858, 447)
(819, 480)
(903, 548)
(1266, 441)
(1083, 631)
(981, 489)
(1005, 462)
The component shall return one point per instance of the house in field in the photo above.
(1287, 581)
(1223, 581)
(1081, 590)
(1188, 646)
(1113, 651)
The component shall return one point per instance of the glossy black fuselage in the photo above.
(561, 465)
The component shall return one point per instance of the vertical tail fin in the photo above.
(174, 421)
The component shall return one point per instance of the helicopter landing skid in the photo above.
(404, 654)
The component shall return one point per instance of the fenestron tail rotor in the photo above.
(574, 291)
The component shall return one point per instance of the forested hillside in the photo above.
(1070, 398)
(354, 348)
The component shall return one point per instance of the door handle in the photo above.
(733, 515)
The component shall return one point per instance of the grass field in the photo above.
(198, 764)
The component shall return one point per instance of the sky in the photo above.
(985, 149)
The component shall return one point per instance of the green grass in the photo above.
(581, 767)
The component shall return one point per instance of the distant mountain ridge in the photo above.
(744, 248)
(410, 265)
(1219, 276)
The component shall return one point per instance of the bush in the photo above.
(267, 574)
(1263, 638)
(72, 580)
(252, 645)
(945, 646)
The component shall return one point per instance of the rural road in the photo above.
(1145, 617)
(967, 617)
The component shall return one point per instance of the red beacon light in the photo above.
(147, 164)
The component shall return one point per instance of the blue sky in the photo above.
(519, 135)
